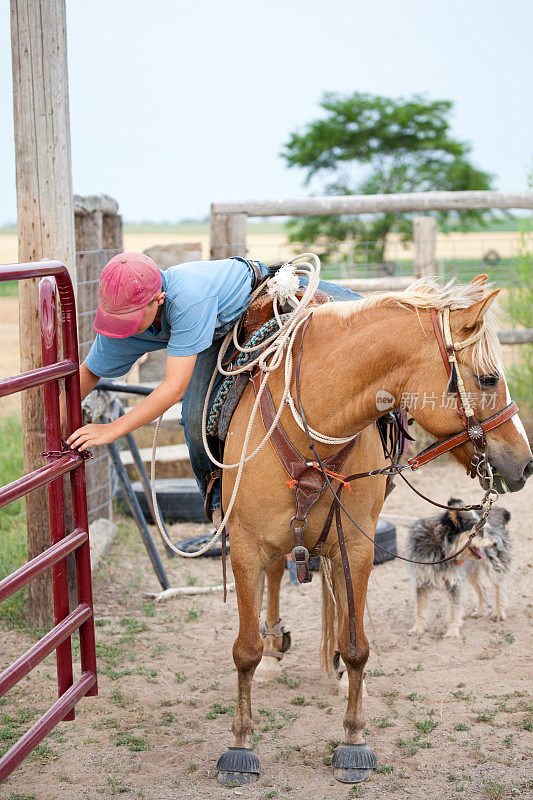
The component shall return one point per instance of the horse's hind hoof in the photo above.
(353, 763)
(238, 766)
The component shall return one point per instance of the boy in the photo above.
(187, 309)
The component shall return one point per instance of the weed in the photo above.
(288, 681)
(118, 698)
(355, 791)
(484, 716)
(148, 609)
(117, 786)
(460, 726)
(331, 744)
(216, 710)
(495, 790)
(300, 700)
(19, 796)
(45, 752)
(426, 726)
(413, 745)
(180, 676)
(192, 768)
(460, 695)
(133, 625)
(383, 722)
(286, 752)
(508, 740)
(167, 718)
(192, 614)
(134, 743)
(385, 769)
(272, 793)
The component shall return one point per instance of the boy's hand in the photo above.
(92, 435)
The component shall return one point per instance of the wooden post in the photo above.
(89, 231)
(45, 222)
(112, 236)
(425, 234)
(228, 235)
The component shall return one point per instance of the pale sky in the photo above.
(174, 105)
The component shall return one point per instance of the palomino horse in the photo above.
(352, 352)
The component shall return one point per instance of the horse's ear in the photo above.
(471, 317)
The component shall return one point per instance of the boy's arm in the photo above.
(178, 373)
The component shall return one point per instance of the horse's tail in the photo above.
(329, 615)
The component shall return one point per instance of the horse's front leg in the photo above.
(353, 760)
(274, 645)
(239, 765)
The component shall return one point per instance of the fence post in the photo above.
(45, 221)
(112, 236)
(425, 233)
(228, 235)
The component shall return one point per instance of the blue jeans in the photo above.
(194, 398)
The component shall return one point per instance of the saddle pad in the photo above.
(232, 387)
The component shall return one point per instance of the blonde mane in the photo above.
(425, 293)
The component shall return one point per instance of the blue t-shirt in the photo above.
(202, 299)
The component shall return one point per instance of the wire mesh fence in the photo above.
(89, 265)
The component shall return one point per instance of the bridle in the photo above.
(474, 431)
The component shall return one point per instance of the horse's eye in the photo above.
(486, 381)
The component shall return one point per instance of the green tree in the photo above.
(367, 144)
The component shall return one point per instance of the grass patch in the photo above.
(134, 743)
(217, 710)
(426, 726)
(9, 289)
(13, 552)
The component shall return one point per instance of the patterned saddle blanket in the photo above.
(225, 399)
(256, 325)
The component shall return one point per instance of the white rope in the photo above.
(186, 591)
(269, 358)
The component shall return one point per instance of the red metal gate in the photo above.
(59, 463)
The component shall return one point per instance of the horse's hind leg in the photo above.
(270, 666)
(239, 765)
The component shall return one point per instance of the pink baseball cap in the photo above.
(128, 283)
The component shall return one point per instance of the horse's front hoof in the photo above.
(353, 763)
(238, 766)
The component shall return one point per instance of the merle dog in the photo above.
(434, 538)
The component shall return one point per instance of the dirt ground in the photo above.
(446, 718)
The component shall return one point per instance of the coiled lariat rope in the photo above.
(268, 356)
